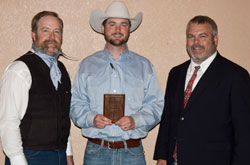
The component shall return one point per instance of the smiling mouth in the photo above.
(197, 49)
(117, 35)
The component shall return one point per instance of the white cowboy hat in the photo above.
(115, 10)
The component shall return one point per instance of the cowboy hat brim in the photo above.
(97, 17)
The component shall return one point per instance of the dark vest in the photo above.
(46, 123)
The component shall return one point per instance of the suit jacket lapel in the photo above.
(181, 86)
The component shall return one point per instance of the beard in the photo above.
(44, 47)
(116, 42)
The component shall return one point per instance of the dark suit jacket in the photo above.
(214, 128)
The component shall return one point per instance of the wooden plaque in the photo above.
(113, 107)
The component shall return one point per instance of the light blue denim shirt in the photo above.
(130, 74)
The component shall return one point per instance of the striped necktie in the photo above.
(188, 90)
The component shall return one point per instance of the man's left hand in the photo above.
(126, 123)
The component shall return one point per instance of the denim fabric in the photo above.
(99, 155)
(56, 157)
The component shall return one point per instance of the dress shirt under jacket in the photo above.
(203, 67)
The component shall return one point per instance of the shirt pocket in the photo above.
(96, 87)
(134, 94)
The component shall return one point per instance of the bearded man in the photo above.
(115, 72)
(35, 100)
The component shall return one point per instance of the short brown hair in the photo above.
(200, 19)
(38, 16)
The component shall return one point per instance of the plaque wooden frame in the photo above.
(113, 107)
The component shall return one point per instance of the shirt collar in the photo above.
(122, 55)
(204, 65)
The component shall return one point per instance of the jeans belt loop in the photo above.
(125, 145)
(108, 145)
(102, 143)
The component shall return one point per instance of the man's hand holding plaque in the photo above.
(126, 123)
(113, 113)
(101, 121)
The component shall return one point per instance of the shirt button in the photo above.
(114, 91)
(182, 118)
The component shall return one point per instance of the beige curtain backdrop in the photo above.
(160, 38)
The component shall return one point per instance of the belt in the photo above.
(118, 144)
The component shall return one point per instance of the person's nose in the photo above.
(196, 40)
(52, 36)
(118, 28)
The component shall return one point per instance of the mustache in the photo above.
(44, 46)
(117, 34)
(197, 46)
(54, 42)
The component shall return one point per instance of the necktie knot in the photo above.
(196, 68)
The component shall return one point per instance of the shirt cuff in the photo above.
(18, 160)
(137, 119)
(69, 151)
(91, 117)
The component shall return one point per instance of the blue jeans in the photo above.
(100, 155)
(55, 157)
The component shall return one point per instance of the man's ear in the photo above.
(33, 35)
(216, 39)
(102, 29)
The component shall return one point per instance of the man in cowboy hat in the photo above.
(115, 70)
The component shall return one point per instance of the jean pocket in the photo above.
(136, 151)
(92, 148)
(31, 153)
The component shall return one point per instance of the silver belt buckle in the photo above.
(109, 145)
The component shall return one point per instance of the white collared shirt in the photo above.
(203, 67)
